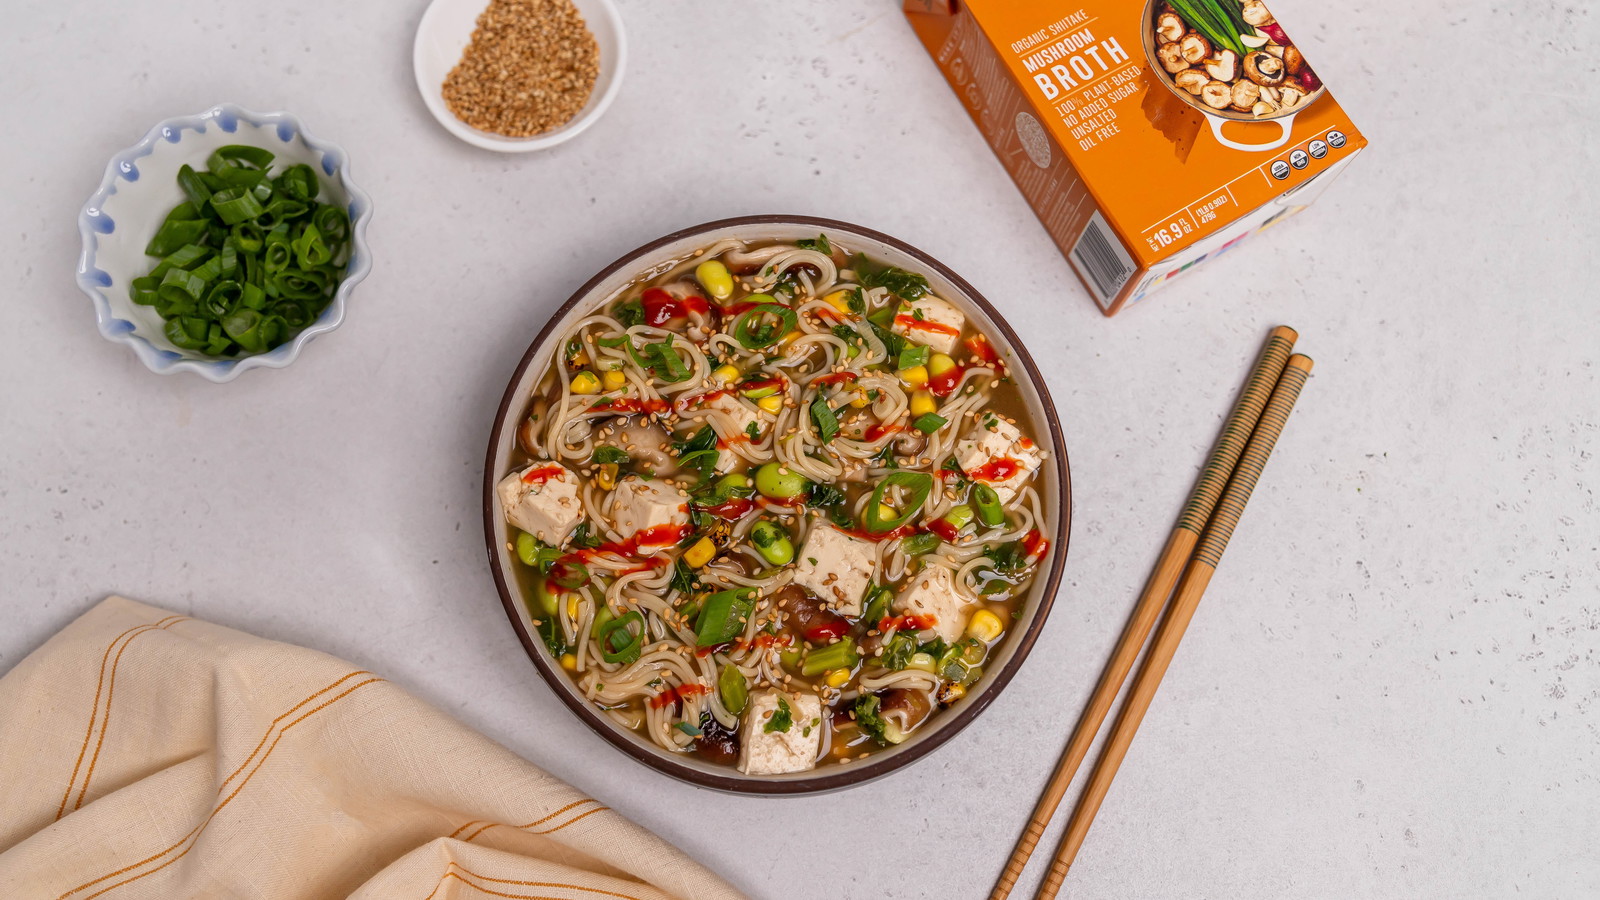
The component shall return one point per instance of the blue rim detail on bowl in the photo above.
(124, 165)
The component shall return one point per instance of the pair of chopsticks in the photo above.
(1188, 561)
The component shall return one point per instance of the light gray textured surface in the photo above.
(1393, 687)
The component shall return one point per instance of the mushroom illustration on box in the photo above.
(1147, 135)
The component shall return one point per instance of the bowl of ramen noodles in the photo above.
(777, 504)
(1232, 61)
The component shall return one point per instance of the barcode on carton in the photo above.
(1102, 260)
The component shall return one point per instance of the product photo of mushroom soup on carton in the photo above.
(1147, 135)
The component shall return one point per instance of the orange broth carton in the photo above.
(1147, 135)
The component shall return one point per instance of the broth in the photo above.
(773, 505)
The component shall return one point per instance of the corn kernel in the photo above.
(954, 692)
(984, 627)
(887, 513)
(581, 358)
(922, 403)
(572, 606)
(771, 404)
(939, 364)
(838, 300)
(606, 477)
(916, 376)
(585, 383)
(790, 338)
(838, 677)
(569, 662)
(700, 553)
(727, 373)
(715, 278)
(614, 380)
(860, 400)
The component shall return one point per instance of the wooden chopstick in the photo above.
(1180, 544)
(1190, 590)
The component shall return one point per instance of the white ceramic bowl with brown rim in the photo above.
(1052, 483)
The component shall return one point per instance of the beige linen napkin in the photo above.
(144, 754)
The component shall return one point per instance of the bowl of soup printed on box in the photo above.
(1231, 61)
(139, 191)
(777, 504)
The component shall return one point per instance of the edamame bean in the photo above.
(772, 542)
(776, 481)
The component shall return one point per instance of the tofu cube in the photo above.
(776, 752)
(542, 500)
(932, 592)
(836, 567)
(637, 504)
(930, 321)
(1004, 442)
(734, 417)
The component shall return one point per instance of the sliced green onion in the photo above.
(620, 642)
(920, 544)
(928, 423)
(723, 616)
(990, 512)
(838, 655)
(733, 689)
(232, 155)
(246, 259)
(755, 330)
(193, 187)
(920, 484)
(235, 205)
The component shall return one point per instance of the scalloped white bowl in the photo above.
(139, 189)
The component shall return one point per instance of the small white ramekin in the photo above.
(446, 29)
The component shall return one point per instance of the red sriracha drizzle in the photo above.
(996, 470)
(661, 307)
(943, 385)
(734, 508)
(1035, 544)
(834, 378)
(541, 474)
(630, 405)
(907, 623)
(654, 536)
(875, 432)
(828, 630)
(672, 695)
(924, 325)
(981, 349)
(943, 529)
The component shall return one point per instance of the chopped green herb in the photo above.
(630, 313)
(820, 245)
(607, 455)
(688, 729)
(782, 719)
(903, 284)
(827, 422)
